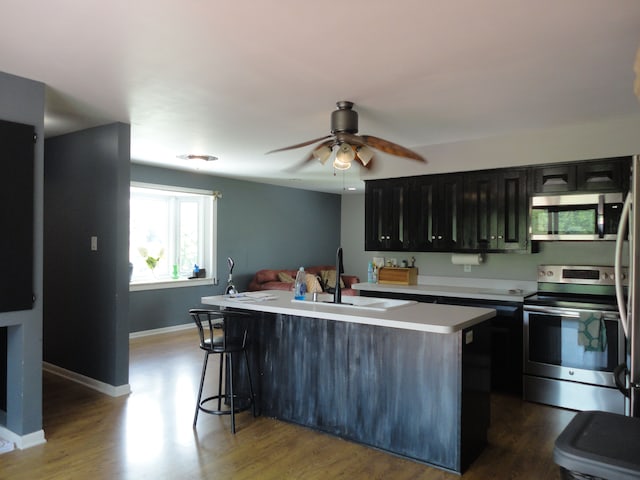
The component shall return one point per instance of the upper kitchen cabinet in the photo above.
(496, 206)
(608, 175)
(436, 213)
(605, 175)
(386, 214)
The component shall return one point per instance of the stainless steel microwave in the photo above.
(593, 216)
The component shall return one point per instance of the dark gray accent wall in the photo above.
(259, 226)
(22, 100)
(86, 322)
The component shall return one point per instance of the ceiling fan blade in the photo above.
(391, 148)
(298, 145)
(308, 158)
(299, 165)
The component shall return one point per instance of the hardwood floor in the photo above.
(148, 434)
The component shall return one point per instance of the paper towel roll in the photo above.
(466, 258)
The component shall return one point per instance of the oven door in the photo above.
(572, 344)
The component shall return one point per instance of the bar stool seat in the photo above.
(218, 336)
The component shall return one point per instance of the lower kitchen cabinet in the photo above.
(506, 342)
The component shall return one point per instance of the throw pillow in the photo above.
(313, 285)
(329, 279)
(285, 277)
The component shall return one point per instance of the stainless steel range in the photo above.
(573, 340)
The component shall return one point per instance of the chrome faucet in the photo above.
(337, 296)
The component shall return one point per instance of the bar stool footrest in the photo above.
(225, 401)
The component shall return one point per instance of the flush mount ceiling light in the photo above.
(351, 146)
(206, 158)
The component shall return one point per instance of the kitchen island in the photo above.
(412, 379)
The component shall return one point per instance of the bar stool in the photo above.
(219, 336)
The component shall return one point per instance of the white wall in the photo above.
(610, 138)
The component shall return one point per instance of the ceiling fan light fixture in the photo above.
(338, 165)
(322, 154)
(365, 154)
(344, 156)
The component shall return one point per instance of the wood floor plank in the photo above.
(148, 434)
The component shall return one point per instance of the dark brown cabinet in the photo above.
(606, 175)
(482, 211)
(435, 206)
(386, 215)
(496, 210)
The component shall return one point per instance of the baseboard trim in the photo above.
(107, 389)
(23, 441)
(158, 331)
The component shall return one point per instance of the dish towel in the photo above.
(592, 333)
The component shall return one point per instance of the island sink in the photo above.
(357, 302)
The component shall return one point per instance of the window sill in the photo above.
(162, 284)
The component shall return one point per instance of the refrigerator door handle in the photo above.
(622, 227)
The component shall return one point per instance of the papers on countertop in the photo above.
(252, 296)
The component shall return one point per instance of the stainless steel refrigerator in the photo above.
(628, 376)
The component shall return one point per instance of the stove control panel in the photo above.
(582, 275)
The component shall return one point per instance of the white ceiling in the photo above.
(236, 78)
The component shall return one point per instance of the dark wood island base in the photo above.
(416, 394)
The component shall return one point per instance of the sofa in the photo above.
(273, 279)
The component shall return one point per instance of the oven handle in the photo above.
(552, 311)
(564, 312)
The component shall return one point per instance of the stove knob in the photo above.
(549, 273)
(623, 276)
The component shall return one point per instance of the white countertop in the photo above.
(426, 317)
(478, 288)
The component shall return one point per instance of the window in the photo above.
(172, 230)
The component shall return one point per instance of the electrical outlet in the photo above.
(467, 268)
(94, 244)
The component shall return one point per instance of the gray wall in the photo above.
(22, 100)
(259, 226)
(86, 304)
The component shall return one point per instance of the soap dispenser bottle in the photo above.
(300, 285)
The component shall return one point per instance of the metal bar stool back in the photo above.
(218, 335)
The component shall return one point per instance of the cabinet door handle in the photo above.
(500, 237)
(493, 237)
(439, 237)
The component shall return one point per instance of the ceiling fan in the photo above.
(345, 143)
